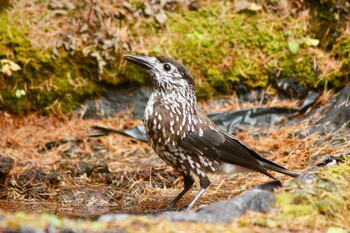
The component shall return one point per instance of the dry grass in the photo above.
(114, 173)
(132, 178)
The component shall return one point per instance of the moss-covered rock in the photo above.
(222, 47)
(310, 206)
(69, 52)
(46, 84)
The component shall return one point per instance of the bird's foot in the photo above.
(169, 208)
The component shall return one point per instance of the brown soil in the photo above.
(116, 174)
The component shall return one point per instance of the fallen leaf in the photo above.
(254, 7)
(6, 70)
(161, 17)
(14, 66)
(293, 47)
(19, 93)
(311, 41)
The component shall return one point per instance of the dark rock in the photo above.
(227, 211)
(291, 88)
(68, 230)
(331, 118)
(242, 91)
(309, 101)
(245, 93)
(24, 229)
(219, 212)
(118, 99)
(255, 117)
(335, 115)
(6, 164)
(270, 186)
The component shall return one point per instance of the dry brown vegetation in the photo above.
(126, 173)
(59, 171)
(114, 173)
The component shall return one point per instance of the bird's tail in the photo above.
(275, 167)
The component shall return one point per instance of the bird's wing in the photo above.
(213, 143)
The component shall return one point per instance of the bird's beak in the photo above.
(142, 61)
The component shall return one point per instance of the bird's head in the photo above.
(167, 73)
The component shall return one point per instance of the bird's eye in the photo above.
(166, 67)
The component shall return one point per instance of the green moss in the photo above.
(316, 205)
(50, 85)
(293, 206)
(341, 51)
(204, 91)
(329, 20)
(221, 47)
(133, 75)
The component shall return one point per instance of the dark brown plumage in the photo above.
(184, 137)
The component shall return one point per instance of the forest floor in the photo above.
(60, 173)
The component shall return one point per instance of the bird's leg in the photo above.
(204, 183)
(188, 183)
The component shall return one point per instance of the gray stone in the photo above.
(228, 210)
(115, 100)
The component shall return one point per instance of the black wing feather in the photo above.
(221, 146)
